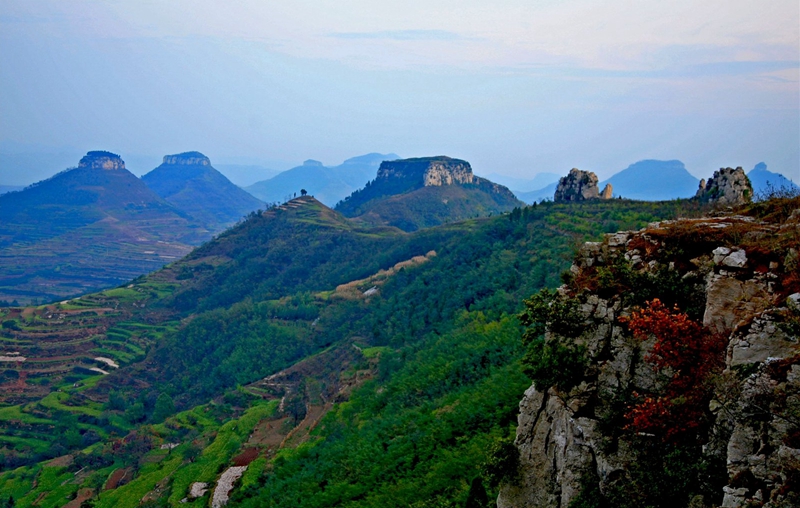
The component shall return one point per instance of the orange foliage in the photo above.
(687, 354)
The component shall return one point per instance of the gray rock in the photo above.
(577, 186)
(728, 186)
(736, 259)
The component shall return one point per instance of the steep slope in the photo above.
(653, 180)
(411, 194)
(665, 372)
(189, 182)
(765, 181)
(413, 329)
(85, 228)
(328, 184)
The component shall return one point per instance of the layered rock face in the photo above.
(755, 410)
(428, 171)
(187, 159)
(578, 186)
(728, 186)
(102, 160)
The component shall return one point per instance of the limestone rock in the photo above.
(430, 171)
(577, 186)
(728, 186)
(755, 429)
(102, 160)
(187, 159)
(608, 192)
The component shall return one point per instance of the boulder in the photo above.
(728, 186)
(577, 186)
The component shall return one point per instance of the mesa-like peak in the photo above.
(187, 159)
(101, 160)
(428, 171)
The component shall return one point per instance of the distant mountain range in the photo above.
(192, 185)
(765, 181)
(523, 185)
(653, 180)
(98, 225)
(9, 188)
(412, 194)
(656, 180)
(85, 228)
(327, 184)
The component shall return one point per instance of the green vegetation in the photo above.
(418, 410)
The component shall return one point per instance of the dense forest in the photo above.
(410, 342)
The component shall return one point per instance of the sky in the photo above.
(516, 87)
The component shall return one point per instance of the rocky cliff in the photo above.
(579, 186)
(187, 159)
(101, 160)
(428, 171)
(728, 186)
(635, 426)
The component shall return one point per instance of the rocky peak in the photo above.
(101, 160)
(187, 159)
(563, 436)
(428, 171)
(728, 186)
(578, 186)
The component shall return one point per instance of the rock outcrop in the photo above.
(728, 186)
(187, 159)
(428, 171)
(564, 440)
(102, 160)
(608, 192)
(578, 186)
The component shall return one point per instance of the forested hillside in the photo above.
(391, 360)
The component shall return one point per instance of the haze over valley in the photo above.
(433, 254)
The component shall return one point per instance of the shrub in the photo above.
(687, 355)
(557, 360)
(502, 463)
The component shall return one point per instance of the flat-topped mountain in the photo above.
(189, 182)
(422, 192)
(654, 180)
(328, 184)
(88, 227)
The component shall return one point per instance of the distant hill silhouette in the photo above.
(522, 185)
(327, 184)
(86, 228)
(543, 194)
(191, 184)
(9, 188)
(411, 194)
(654, 180)
(765, 181)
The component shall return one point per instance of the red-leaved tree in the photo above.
(687, 354)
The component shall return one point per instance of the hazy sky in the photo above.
(515, 87)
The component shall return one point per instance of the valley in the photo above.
(310, 314)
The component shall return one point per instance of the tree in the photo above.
(687, 355)
(303, 192)
(164, 408)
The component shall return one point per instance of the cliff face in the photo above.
(746, 295)
(428, 171)
(101, 160)
(187, 159)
